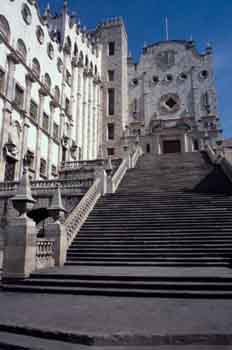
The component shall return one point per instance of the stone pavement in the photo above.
(121, 321)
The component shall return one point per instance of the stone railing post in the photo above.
(109, 170)
(127, 154)
(101, 174)
(56, 230)
(19, 259)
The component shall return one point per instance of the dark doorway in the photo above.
(172, 146)
(10, 169)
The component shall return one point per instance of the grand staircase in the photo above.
(157, 236)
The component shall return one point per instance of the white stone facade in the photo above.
(50, 90)
(70, 94)
(173, 86)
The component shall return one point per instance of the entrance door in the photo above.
(171, 146)
(10, 169)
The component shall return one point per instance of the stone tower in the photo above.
(113, 38)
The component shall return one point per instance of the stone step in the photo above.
(132, 284)
(159, 293)
(163, 264)
(137, 244)
(140, 249)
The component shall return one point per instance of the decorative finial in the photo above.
(65, 4)
(56, 208)
(47, 10)
(23, 200)
(209, 48)
(167, 28)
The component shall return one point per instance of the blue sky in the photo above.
(204, 20)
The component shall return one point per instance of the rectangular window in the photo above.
(111, 131)
(43, 167)
(45, 123)
(33, 109)
(30, 158)
(111, 101)
(68, 78)
(2, 81)
(67, 107)
(54, 170)
(111, 47)
(111, 75)
(55, 131)
(19, 96)
(110, 151)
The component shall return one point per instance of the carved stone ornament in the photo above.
(65, 141)
(10, 149)
(73, 150)
(166, 59)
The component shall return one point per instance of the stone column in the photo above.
(90, 116)
(42, 95)
(94, 133)
(7, 109)
(99, 120)
(27, 101)
(79, 110)
(84, 124)
(20, 241)
(50, 140)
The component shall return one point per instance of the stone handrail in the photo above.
(12, 186)
(119, 174)
(211, 153)
(136, 155)
(45, 249)
(127, 163)
(79, 215)
(220, 160)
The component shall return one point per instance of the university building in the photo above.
(69, 94)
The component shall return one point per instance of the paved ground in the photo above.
(34, 343)
(104, 316)
(117, 320)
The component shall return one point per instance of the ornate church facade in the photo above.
(69, 94)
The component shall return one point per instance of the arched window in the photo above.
(4, 28)
(47, 81)
(26, 13)
(21, 49)
(57, 94)
(50, 51)
(36, 67)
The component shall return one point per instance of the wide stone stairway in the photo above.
(158, 235)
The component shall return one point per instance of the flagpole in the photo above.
(167, 29)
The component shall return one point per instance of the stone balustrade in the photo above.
(119, 174)
(12, 186)
(81, 164)
(78, 216)
(45, 253)
(129, 162)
